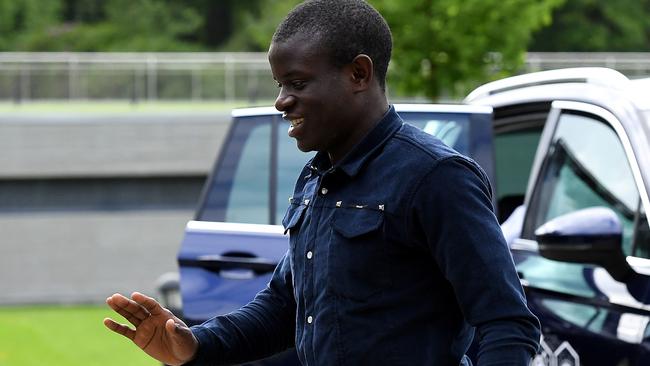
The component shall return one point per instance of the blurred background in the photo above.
(112, 112)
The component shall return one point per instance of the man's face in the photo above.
(313, 95)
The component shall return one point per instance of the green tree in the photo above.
(120, 25)
(440, 46)
(597, 25)
(112, 25)
(22, 18)
(450, 46)
(257, 23)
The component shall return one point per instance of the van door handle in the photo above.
(218, 263)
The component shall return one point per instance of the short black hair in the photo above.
(345, 28)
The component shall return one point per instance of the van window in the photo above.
(514, 152)
(451, 128)
(249, 198)
(586, 172)
(290, 164)
(239, 189)
(259, 165)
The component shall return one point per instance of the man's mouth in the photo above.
(296, 122)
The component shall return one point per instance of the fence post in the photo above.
(16, 86)
(25, 81)
(253, 84)
(73, 76)
(229, 79)
(152, 78)
(197, 84)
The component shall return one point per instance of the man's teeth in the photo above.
(297, 122)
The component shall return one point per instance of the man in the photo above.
(395, 255)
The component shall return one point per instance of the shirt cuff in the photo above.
(207, 352)
(513, 356)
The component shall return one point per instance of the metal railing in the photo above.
(135, 76)
(631, 64)
(199, 76)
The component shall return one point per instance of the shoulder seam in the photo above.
(415, 144)
(418, 185)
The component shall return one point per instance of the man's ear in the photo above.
(361, 73)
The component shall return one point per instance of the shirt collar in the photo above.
(365, 149)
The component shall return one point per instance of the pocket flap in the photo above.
(352, 222)
(292, 217)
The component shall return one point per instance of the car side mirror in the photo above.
(591, 236)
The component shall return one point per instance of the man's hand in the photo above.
(157, 331)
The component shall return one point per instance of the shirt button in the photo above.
(310, 255)
(310, 319)
(323, 191)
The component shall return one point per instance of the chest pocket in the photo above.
(291, 222)
(353, 222)
(293, 217)
(357, 255)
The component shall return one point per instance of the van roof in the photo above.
(586, 75)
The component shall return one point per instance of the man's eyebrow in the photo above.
(290, 74)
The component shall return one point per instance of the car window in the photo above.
(247, 171)
(249, 197)
(514, 152)
(451, 128)
(587, 167)
(290, 164)
(239, 189)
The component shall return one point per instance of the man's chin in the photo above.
(304, 147)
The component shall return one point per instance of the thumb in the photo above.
(183, 342)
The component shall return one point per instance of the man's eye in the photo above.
(298, 85)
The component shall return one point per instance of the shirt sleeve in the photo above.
(453, 210)
(263, 327)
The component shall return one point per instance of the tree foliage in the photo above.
(117, 25)
(451, 46)
(124, 25)
(257, 24)
(597, 25)
(21, 17)
(440, 46)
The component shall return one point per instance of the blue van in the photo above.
(568, 152)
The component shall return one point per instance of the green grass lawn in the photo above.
(64, 336)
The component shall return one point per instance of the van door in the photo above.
(585, 160)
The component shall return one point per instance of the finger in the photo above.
(123, 305)
(119, 328)
(176, 329)
(128, 305)
(184, 344)
(151, 305)
(130, 317)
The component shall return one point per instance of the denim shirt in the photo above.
(395, 258)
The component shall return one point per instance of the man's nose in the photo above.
(284, 101)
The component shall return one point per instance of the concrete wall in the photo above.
(117, 144)
(84, 256)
